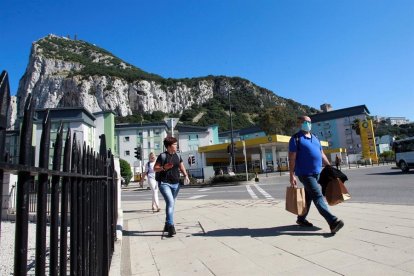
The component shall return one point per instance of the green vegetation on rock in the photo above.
(251, 104)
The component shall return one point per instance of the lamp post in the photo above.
(231, 138)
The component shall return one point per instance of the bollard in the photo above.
(256, 178)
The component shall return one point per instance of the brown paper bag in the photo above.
(336, 192)
(295, 200)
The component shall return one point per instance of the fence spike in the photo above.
(54, 202)
(22, 189)
(4, 109)
(4, 99)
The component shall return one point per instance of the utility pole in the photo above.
(233, 167)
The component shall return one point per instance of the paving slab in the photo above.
(258, 237)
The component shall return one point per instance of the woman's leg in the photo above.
(154, 188)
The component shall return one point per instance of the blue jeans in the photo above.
(313, 193)
(169, 192)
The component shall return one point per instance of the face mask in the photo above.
(306, 126)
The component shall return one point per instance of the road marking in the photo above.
(251, 193)
(263, 192)
(197, 196)
(204, 190)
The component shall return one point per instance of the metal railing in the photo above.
(82, 198)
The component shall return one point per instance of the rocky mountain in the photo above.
(68, 73)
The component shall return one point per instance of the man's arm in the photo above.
(325, 160)
(158, 167)
(292, 162)
(184, 171)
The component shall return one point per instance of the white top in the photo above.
(149, 169)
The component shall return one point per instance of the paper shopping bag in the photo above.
(336, 192)
(295, 200)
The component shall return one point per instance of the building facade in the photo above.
(241, 134)
(338, 127)
(146, 137)
(190, 138)
(105, 124)
(80, 122)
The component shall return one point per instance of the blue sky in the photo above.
(342, 52)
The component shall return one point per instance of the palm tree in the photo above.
(355, 126)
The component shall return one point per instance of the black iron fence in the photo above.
(78, 195)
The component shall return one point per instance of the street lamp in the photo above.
(231, 138)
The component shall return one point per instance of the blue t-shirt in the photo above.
(308, 157)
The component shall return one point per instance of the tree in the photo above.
(355, 126)
(278, 120)
(126, 172)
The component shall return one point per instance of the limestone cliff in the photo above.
(62, 72)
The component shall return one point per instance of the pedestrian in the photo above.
(152, 183)
(306, 158)
(168, 166)
(337, 162)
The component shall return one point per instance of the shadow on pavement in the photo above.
(291, 230)
(151, 233)
(391, 173)
(139, 211)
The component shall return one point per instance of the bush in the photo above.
(388, 155)
(126, 172)
(231, 178)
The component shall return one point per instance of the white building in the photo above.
(146, 137)
(149, 137)
(396, 120)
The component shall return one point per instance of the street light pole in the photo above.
(231, 138)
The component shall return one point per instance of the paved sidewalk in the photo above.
(258, 237)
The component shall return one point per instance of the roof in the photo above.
(65, 113)
(250, 130)
(340, 113)
(226, 133)
(141, 125)
(104, 112)
(242, 131)
(188, 128)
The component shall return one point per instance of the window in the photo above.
(127, 153)
(156, 145)
(126, 139)
(193, 137)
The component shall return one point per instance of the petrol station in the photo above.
(261, 154)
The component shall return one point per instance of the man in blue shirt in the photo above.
(305, 161)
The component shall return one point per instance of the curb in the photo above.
(116, 260)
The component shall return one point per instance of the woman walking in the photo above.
(168, 166)
(150, 174)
